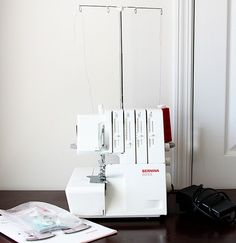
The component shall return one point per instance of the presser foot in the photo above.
(97, 179)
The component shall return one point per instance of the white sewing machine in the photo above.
(137, 186)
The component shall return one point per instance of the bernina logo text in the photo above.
(149, 172)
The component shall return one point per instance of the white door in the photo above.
(214, 156)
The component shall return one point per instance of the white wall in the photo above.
(43, 86)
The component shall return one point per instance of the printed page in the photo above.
(95, 232)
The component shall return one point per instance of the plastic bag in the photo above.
(38, 220)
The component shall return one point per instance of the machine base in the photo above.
(130, 191)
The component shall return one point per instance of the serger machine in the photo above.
(137, 185)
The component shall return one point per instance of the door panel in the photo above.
(231, 85)
(214, 155)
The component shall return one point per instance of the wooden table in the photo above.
(176, 227)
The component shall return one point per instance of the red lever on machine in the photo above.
(167, 125)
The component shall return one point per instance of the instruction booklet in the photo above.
(35, 221)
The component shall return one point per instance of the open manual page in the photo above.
(30, 221)
(95, 232)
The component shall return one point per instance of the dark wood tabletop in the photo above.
(176, 227)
